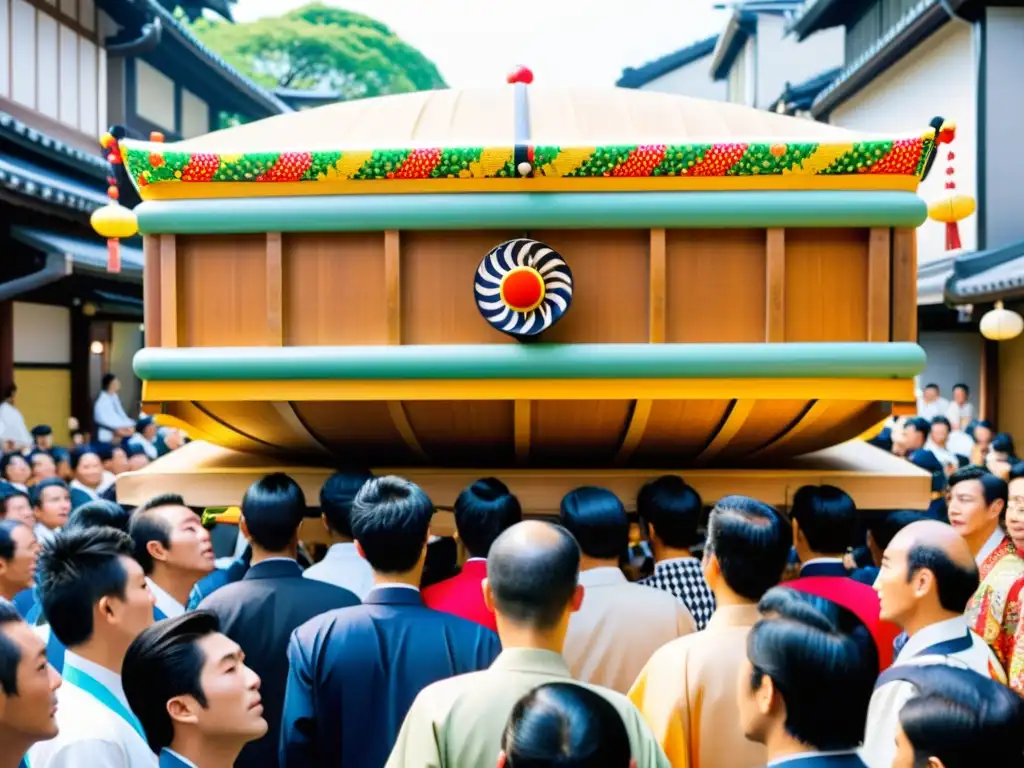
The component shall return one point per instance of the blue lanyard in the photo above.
(102, 694)
(947, 647)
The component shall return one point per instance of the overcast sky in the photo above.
(564, 42)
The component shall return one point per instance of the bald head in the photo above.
(532, 569)
(932, 533)
(937, 547)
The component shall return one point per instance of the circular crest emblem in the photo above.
(523, 287)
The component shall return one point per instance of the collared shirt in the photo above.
(937, 407)
(167, 752)
(684, 578)
(44, 534)
(12, 427)
(108, 413)
(90, 734)
(165, 604)
(808, 756)
(343, 567)
(144, 444)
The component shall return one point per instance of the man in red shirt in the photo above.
(482, 512)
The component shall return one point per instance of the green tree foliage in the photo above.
(317, 47)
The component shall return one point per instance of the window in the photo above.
(872, 23)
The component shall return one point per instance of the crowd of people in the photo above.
(753, 641)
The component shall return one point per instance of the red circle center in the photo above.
(522, 289)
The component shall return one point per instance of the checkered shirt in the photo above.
(683, 578)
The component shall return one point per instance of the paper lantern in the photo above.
(1001, 324)
(113, 221)
(952, 208)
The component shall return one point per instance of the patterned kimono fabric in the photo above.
(994, 612)
(1010, 649)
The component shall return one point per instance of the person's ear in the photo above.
(183, 709)
(998, 507)
(577, 598)
(934, 762)
(485, 587)
(323, 519)
(923, 580)
(502, 759)
(764, 697)
(3, 567)
(104, 610)
(798, 535)
(359, 549)
(156, 550)
(712, 568)
(244, 529)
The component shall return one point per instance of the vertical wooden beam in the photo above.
(81, 394)
(168, 291)
(393, 285)
(656, 301)
(6, 345)
(275, 291)
(879, 292)
(775, 286)
(522, 419)
(988, 397)
(151, 290)
(904, 285)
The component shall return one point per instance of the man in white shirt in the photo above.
(51, 501)
(938, 438)
(342, 566)
(174, 550)
(977, 501)
(172, 667)
(14, 434)
(108, 413)
(960, 412)
(926, 579)
(96, 598)
(931, 405)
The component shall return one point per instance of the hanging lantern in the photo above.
(113, 221)
(951, 208)
(1001, 324)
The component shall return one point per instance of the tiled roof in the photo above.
(90, 253)
(987, 275)
(26, 178)
(25, 135)
(799, 97)
(636, 77)
(816, 15)
(741, 25)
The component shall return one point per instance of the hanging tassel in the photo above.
(953, 236)
(113, 255)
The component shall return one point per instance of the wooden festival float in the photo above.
(554, 286)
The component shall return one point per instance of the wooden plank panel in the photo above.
(275, 291)
(826, 285)
(170, 301)
(766, 419)
(775, 286)
(731, 426)
(575, 433)
(657, 299)
(363, 433)
(904, 285)
(393, 286)
(832, 422)
(151, 289)
(879, 292)
(464, 433)
(222, 291)
(715, 284)
(334, 289)
(522, 419)
(677, 430)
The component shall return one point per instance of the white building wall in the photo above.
(42, 334)
(692, 80)
(937, 78)
(781, 59)
(154, 95)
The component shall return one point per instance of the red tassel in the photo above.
(952, 236)
(113, 255)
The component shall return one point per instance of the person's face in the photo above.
(115, 386)
(940, 433)
(968, 512)
(982, 436)
(897, 594)
(20, 571)
(931, 394)
(17, 470)
(135, 612)
(234, 707)
(43, 466)
(19, 508)
(54, 507)
(45, 442)
(173, 439)
(959, 396)
(1015, 514)
(150, 432)
(137, 462)
(89, 471)
(914, 439)
(190, 547)
(118, 462)
(30, 712)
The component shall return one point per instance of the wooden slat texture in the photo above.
(879, 292)
(657, 298)
(806, 421)
(904, 285)
(363, 433)
(826, 285)
(151, 290)
(275, 291)
(393, 286)
(678, 430)
(522, 421)
(733, 424)
(575, 433)
(401, 420)
(635, 431)
(775, 286)
(169, 298)
(460, 433)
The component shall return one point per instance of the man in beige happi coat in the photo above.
(532, 586)
(687, 691)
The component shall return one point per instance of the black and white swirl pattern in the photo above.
(502, 259)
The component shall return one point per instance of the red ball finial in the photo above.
(520, 74)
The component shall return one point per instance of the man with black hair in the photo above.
(51, 502)
(881, 527)
(927, 577)
(938, 437)
(189, 685)
(42, 437)
(14, 435)
(108, 413)
(931, 404)
(96, 598)
(620, 624)
(803, 689)
(99, 514)
(482, 512)
(15, 504)
(687, 690)
(670, 511)
(532, 586)
(19, 552)
(977, 504)
(27, 686)
(824, 528)
(355, 672)
(912, 436)
(261, 611)
(174, 550)
(342, 566)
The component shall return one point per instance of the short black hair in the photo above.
(99, 514)
(336, 497)
(36, 492)
(808, 659)
(145, 526)
(964, 387)
(918, 424)
(673, 508)
(391, 520)
(10, 654)
(165, 661)
(533, 587)
(7, 544)
(596, 518)
(80, 453)
(6, 459)
(993, 486)
(933, 385)
(565, 724)
(76, 569)
(1016, 472)
(983, 423)
(273, 509)
(1003, 443)
(943, 421)
(751, 541)
(955, 583)
(885, 526)
(106, 381)
(827, 517)
(482, 512)
(961, 718)
(7, 492)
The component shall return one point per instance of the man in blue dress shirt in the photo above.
(198, 702)
(27, 689)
